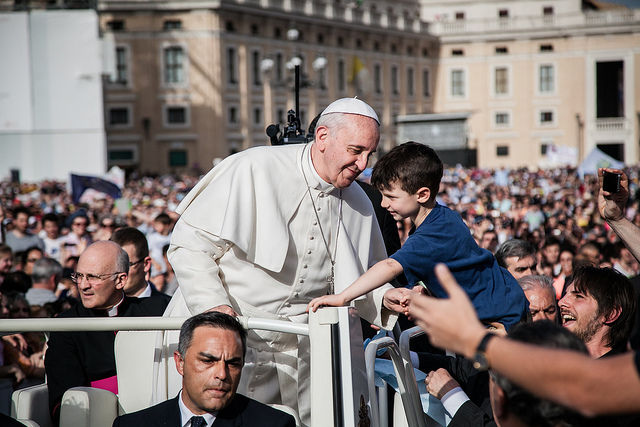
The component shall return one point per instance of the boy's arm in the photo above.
(382, 272)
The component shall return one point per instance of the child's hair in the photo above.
(412, 165)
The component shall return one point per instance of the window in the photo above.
(121, 65)
(501, 81)
(409, 50)
(410, 82)
(547, 10)
(500, 50)
(358, 43)
(232, 77)
(121, 155)
(118, 116)
(229, 27)
(341, 82)
(425, 83)
(377, 78)
(176, 115)
(609, 89)
(340, 41)
(255, 30)
(116, 25)
(279, 69)
(320, 38)
(233, 115)
(546, 117)
(173, 65)
(546, 48)
(393, 47)
(459, 16)
(376, 46)
(503, 13)
(255, 66)
(502, 119)
(394, 80)
(457, 83)
(172, 25)
(545, 84)
(280, 115)
(543, 149)
(502, 150)
(425, 52)
(457, 52)
(257, 116)
(177, 158)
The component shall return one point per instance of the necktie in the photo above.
(198, 422)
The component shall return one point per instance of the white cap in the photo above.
(351, 106)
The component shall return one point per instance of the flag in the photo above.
(80, 183)
(359, 77)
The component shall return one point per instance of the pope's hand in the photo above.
(397, 299)
(326, 300)
(224, 309)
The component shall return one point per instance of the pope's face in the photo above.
(210, 369)
(343, 151)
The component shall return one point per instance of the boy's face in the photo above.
(399, 203)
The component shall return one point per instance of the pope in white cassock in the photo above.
(266, 231)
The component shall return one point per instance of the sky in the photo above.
(628, 3)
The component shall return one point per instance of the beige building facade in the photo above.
(535, 76)
(195, 81)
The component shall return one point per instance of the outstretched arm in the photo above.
(612, 207)
(590, 386)
(382, 272)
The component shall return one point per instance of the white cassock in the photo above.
(248, 237)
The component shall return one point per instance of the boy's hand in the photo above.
(327, 300)
(612, 205)
(397, 300)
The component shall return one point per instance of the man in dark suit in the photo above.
(210, 357)
(136, 246)
(86, 358)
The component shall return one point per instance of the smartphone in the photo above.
(611, 182)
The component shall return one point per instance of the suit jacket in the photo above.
(241, 412)
(470, 415)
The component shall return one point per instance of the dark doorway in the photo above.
(609, 89)
(614, 150)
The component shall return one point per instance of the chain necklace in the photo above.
(332, 259)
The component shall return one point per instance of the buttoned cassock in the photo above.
(248, 238)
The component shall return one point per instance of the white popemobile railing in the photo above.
(336, 356)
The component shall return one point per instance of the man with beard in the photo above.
(599, 307)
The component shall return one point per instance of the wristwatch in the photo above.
(480, 362)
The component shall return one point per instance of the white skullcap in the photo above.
(351, 106)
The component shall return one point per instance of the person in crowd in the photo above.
(566, 271)
(409, 178)
(489, 241)
(50, 235)
(270, 228)
(170, 280)
(589, 253)
(600, 308)
(47, 272)
(29, 258)
(551, 254)
(511, 405)
(6, 261)
(541, 296)
(86, 358)
(106, 226)
(78, 239)
(158, 237)
(209, 358)
(16, 281)
(518, 257)
(625, 262)
(20, 237)
(135, 245)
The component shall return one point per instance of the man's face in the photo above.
(79, 225)
(210, 369)
(551, 254)
(566, 262)
(21, 222)
(344, 151)
(579, 314)
(399, 203)
(138, 267)
(489, 241)
(520, 267)
(6, 262)
(542, 304)
(51, 228)
(99, 292)
(33, 256)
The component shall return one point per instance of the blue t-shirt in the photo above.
(444, 238)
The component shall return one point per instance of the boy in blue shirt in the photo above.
(409, 178)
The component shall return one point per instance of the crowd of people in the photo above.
(547, 228)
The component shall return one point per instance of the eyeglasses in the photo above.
(131, 264)
(103, 225)
(93, 279)
(79, 224)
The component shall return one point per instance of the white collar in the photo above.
(309, 170)
(146, 293)
(113, 311)
(186, 414)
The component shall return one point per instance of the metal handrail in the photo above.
(11, 326)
